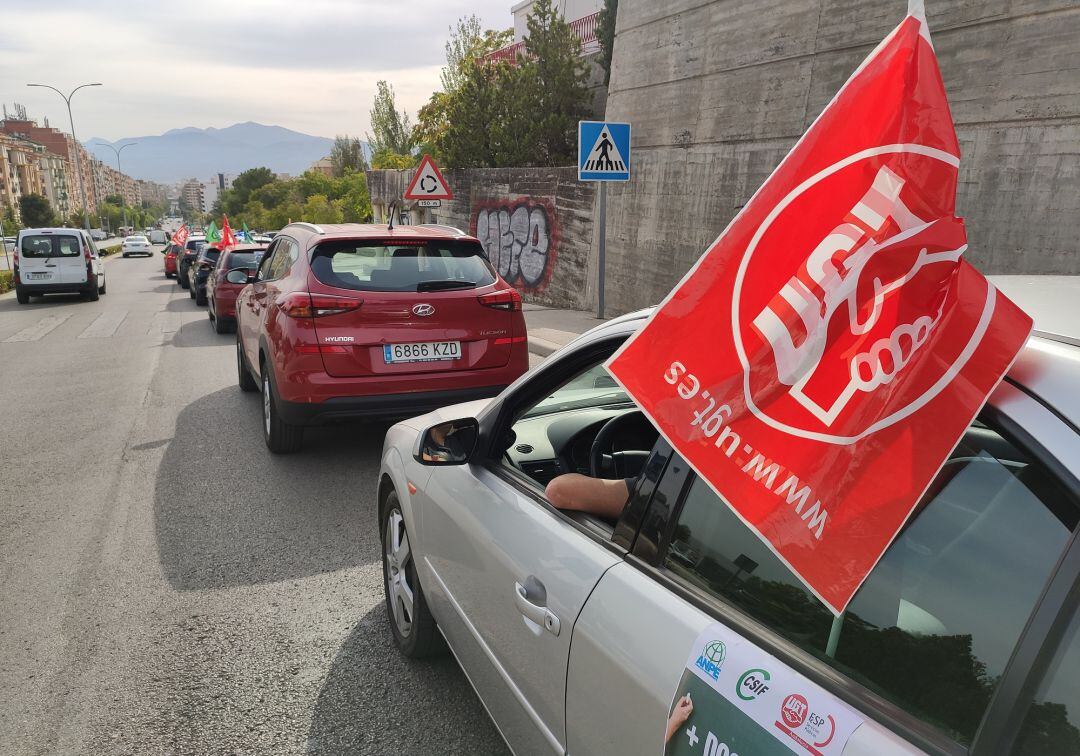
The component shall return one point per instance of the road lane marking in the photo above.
(104, 325)
(42, 328)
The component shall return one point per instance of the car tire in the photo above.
(281, 437)
(415, 631)
(181, 281)
(22, 296)
(190, 290)
(101, 289)
(92, 293)
(200, 297)
(244, 377)
(125, 255)
(220, 326)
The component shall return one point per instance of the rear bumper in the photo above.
(56, 288)
(383, 407)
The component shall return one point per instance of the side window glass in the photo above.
(1052, 722)
(935, 623)
(555, 435)
(266, 267)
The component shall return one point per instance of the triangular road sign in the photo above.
(604, 157)
(428, 183)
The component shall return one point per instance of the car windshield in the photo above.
(594, 387)
(39, 245)
(401, 266)
(245, 259)
(136, 239)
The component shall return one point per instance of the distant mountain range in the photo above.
(201, 153)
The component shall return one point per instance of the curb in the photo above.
(542, 347)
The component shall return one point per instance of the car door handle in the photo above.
(531, 600)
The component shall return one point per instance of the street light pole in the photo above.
(71, 120)
(123, 200)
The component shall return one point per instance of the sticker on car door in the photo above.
(733, 698)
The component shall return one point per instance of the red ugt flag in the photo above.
(181, 235)
(228, 238)
(827, 352)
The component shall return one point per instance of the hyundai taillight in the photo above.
(300, 305)
(506, 299)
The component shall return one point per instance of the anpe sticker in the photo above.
(734, 699)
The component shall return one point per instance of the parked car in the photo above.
(136, 245)
(157, 236)
(172, 253)
(357, 321)
(98, 235)
(56, 260)
(234, 270)
(966, 633)
(192, 249)
(199, 271)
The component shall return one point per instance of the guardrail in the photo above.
(584, 28)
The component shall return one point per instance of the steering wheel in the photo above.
(604, 461)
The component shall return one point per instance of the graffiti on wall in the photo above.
(519, 237)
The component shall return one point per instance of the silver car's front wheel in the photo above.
(411, 623)
(398, 569)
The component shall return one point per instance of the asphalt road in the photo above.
(166, 585)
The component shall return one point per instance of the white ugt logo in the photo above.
(829, 279)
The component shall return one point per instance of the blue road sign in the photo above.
(603, 151)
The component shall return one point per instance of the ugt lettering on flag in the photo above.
(829, 349)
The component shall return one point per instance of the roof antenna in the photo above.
(390, 224)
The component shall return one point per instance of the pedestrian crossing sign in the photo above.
(603, 151)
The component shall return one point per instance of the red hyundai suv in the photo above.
(365, 321)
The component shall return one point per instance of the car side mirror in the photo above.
(237, 276)
(450, 443)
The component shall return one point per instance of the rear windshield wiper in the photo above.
(449, 284)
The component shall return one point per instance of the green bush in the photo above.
(6, 283)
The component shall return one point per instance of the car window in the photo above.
(244, 259)
(286, 255)
(592, 387)
(267, 263)
(935, 623)
(387, 266)
(1052, 721)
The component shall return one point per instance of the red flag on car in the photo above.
(826, 353)
(181, 236)
(228, 238)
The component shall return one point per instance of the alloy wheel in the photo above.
(398, 570)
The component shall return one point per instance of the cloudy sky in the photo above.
(309, 65)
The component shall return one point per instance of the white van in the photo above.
(158, 236)
(57, 260)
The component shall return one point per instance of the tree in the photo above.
(605, 35)
(389, 160)
(232, 200)
(10, 224)
(551, 92)
(318, 209)
(352, 198)
(392, 131)
(36, 211)
(347, 154)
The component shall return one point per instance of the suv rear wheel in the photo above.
(22, 295)
(414, 629)
(280, 436)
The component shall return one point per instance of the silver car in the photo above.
(587, 636)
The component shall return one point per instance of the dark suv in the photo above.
(192, 249)
(199, 270)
